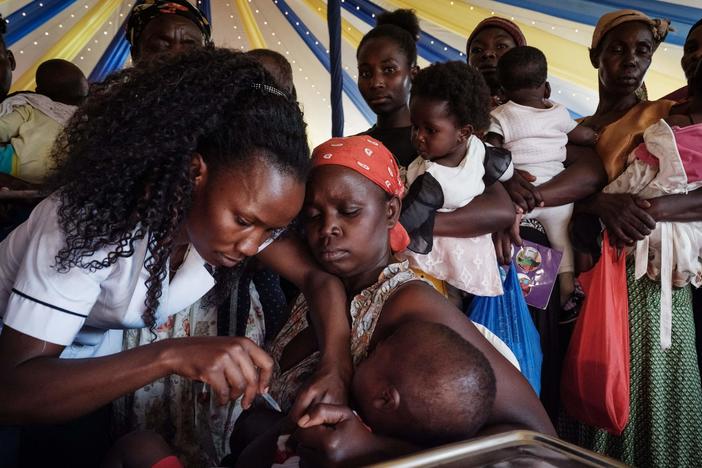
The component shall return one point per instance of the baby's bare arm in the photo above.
(495, 139)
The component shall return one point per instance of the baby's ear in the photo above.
(547, 90)
(465, 132)
(388, 400)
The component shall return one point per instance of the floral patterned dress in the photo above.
(181, 411)
(365, 311)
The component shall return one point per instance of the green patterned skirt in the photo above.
(665, 422)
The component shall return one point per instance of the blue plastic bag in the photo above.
(508, 317)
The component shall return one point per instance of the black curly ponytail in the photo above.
(124, 159)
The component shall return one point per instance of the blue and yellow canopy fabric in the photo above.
(91, 34)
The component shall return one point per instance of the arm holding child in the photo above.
(582, 135)
(326, 297)
(334, 435)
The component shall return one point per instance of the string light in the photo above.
(308, 33)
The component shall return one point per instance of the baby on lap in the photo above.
(423, 384)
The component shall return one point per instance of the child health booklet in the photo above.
(537, 271)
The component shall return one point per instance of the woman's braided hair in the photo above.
(123, 162)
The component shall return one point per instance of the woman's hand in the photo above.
(624, 216)
(329, 385)
(682, 208)
(229, 365)
(522, 192)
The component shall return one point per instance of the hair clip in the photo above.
(269, 89)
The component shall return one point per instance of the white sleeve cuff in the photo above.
(42, 320)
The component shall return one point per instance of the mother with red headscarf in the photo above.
(350, 215)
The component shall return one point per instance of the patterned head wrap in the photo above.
(374, 161)
(506, 25)
(146, 10)
(609, 21)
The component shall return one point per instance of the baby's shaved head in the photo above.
(446, 385)
(62, 81)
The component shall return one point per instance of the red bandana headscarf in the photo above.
(371, 159)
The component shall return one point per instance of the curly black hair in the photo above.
(521, 68)
(462, 86)
(402, 26)
(124, 159)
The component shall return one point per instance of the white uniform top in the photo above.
(536, 137)
(78, 307)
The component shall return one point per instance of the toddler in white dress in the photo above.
(449, 104)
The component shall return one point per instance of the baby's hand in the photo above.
(503, 240)
(333, 435)
(328, 385)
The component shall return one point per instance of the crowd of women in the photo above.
(192, 260)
